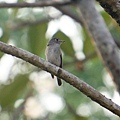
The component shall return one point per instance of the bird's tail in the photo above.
(52, 76)
(59, 81)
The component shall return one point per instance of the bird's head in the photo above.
(55, 41)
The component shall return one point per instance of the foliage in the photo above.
(33, 38)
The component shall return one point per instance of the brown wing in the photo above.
(59, 81)
(61, 60)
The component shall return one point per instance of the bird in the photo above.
(53, 54)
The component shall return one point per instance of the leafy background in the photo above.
(27, 92)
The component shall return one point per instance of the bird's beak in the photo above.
(61, 41)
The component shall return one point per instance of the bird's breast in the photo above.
(53, 55)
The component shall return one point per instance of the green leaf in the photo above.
(88, 46)
(67, 47)
(14, 13)
(36, 38)
(108, 20)
(5, 37)
(92, 73)
(10, 93)
(4, 16)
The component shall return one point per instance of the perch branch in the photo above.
(68, 77)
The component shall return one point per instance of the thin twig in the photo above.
(73, 111)
(68, 11)
(20, 109)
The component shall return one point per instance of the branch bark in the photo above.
(68, 77)
(102, 38)
(112, 7)
(68, 11)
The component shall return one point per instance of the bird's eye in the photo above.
(56, 39)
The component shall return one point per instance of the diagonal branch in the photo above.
(102, 38)
(35, 4)
(68, 77)
(67, 10)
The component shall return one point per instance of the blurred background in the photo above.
(27, 92)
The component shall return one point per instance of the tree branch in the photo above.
(102, 38)
(16, 26)
(35, 4)
(112, 7)
(68, 11)
(68, 77)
